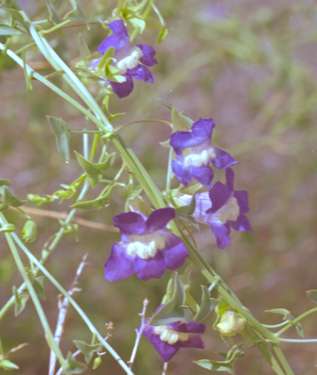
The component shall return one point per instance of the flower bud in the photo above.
(231, 324)
(29, 231)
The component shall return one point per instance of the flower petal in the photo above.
(189, 327)
(148, 57)
(119, 265)
(194, 341)
(219, 194)
(118, 39)
(165, 350)
(242, 224)
(223, 159)
(181, 173)
(175, 254)
(129, 223)
(94, 63)
(243, 201)
(180, 140)
(230, 178)
(222, 234)
(159, 218)
(202, 205)
(149, 268)
(203, 175)
(201, 133)
(142, 73)
(202, 129)
(122, 89)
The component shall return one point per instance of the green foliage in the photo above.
(7, 365)
(88, 350)
(225, 365)
(173, 305)
(256, 42)
(288, 317)
(206, 305)
(72, 366)
(180, 121)
(95, 171)
(99, 202)
(7, 198)
(29, 231)
(20, 301)
(62, 135)
(66, 192)
(8, 31)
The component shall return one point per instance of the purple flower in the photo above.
(169, 338)
(131, 61)
(223, 209)
(146, 247)
(195, 153)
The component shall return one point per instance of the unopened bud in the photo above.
(231, 324)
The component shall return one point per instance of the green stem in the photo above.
(273, 326)
(60, 233)
(297, 320)
(207, 271)
(32, 73)
(70, 77)
(298, 341)
(277, 351)
(14, 238)
(37, 304)
(153, 192)
(169, 170)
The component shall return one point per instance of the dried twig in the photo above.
(63, 216)
(62, 313)
(139, 332)
(164, 372)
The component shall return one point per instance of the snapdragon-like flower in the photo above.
(195, 154)
(167, 339)
(146, 248)
(223, 209)
(131, 61)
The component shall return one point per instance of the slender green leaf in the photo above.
(206, 306)
(312, 295)
(20, 300)
(9, 31)
(180, 121)
(72, 366)
(8, 365)
(214, 366)
(62, 135)
(88, 350)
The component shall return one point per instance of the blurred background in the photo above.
(252, 66)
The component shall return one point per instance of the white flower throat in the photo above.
(145, 246)
(198, 158)
(169, 335)
(130, 61)
(230, 211)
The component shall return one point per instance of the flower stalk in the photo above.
(94, 113)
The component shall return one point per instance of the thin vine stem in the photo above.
(35, 299)
(32, 73)
(60, 233)
(298, 341)
(297, 320)
(156, 198)
(14, 238)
